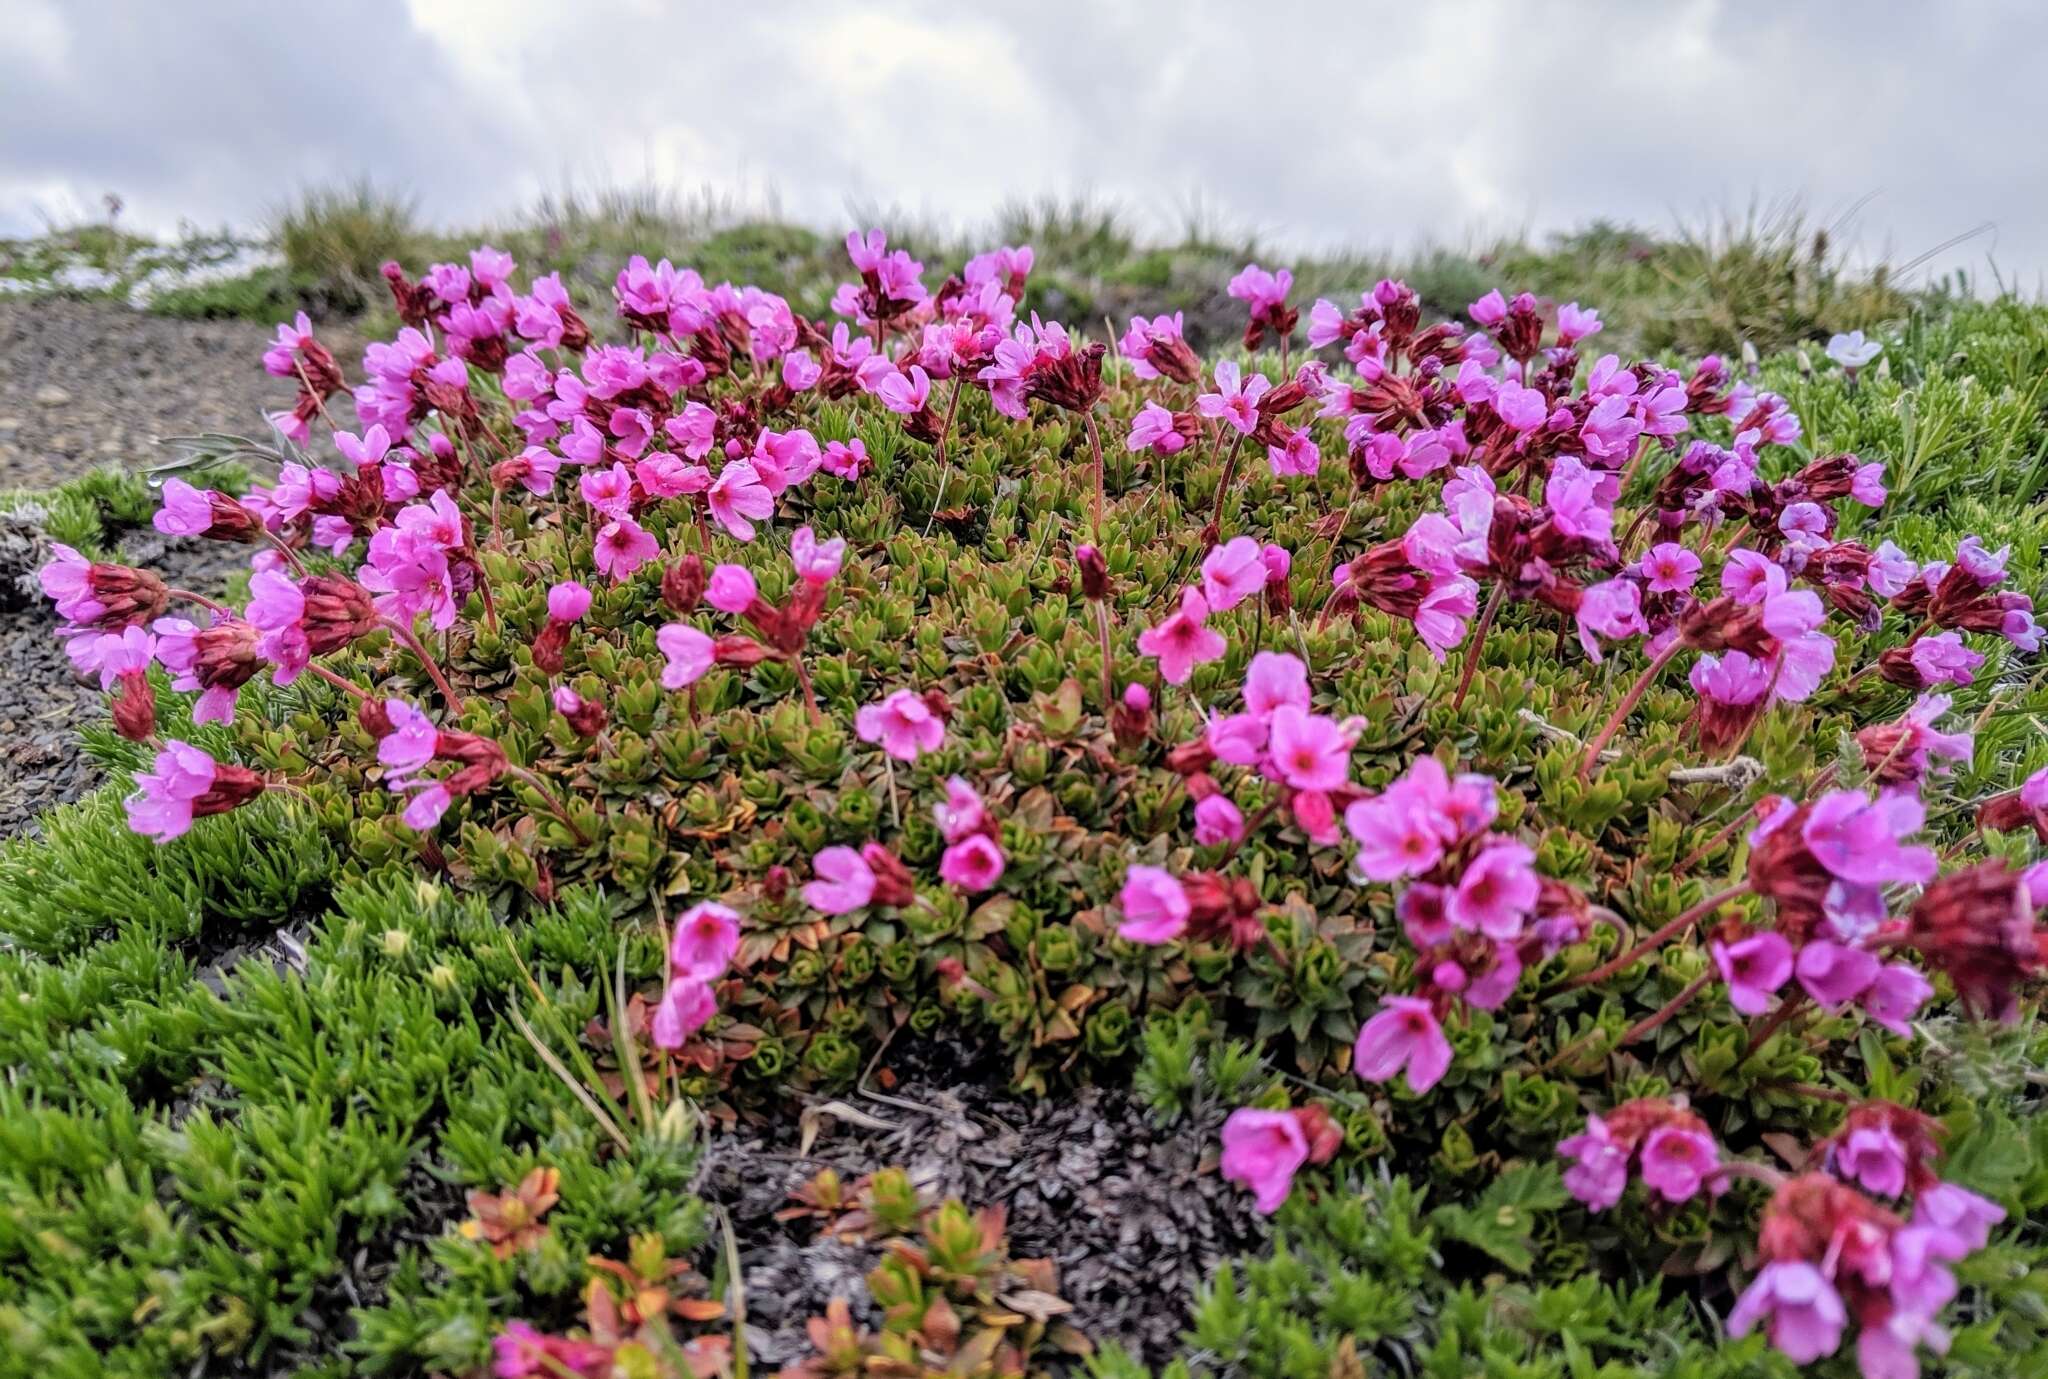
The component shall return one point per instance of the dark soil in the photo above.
(1133, 1213)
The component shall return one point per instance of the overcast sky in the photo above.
(1311, 124)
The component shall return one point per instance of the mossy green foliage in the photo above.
(198, 1164)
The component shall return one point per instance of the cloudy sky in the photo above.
(1311, 124)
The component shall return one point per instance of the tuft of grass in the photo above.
(335, 238)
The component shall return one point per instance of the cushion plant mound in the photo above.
(1567, 822)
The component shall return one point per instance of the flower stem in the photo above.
(540, 787)
(1108, 680)
(426, 660)
(211, 605)
(1095, 449)
(1763, 1028)
(338, 681)
(1650, 1023)
(1627, 706)
(1660, 937)
(1478, 642)
(803, 682)
(1223, 488)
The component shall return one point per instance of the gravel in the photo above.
(85, 384)
(1133, 1214)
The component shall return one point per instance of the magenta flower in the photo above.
(1834, 974)
(1182, 642)
(1497, 892)
(1262, 1151)
(1872, 1157)
(1404, 1035)
(738, 499)
(706, 937)
(1754, 968)
(568, 601)
(816, 562)
(1958, 1211)
(1669, 568)
(1309, 751)
(1612, 609)
(161, 807)
(1523, 409)
(1858, 839)
(410, 744)
(622, 547)
(1232, 573)
(973, 864)
(846, 460)
(1575, 323)
(1155, 906)
(1236, 400)
(1599, 1172)
(845, 882)
(731, 589)
(1802, 1311)
(1218, 820)
(1261, 290)
(963, 812)
(689, 654)
(1156, 429)
(1895, 997)
(686, 1007)
(1676, 1160)
(1275, 678)
(903, 723)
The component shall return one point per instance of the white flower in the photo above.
(1852, 351)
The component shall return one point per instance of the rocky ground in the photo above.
(1134, 1215)
(84, 385)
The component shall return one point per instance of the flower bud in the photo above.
(1094, 573)
(683, 582)
(134, 707)
(1131, 720)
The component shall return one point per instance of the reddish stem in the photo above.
(1223, 487)
(1662, 936)
(803, 682)
(1478, 643)
(338, 681)
(427, 662)
(211, 605)
(540, 788)
(1626, 707)
(1108, 680)
(1095, 449)
(1650, 1023)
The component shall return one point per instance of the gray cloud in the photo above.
(1311, 124)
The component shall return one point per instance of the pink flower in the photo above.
(816, 562)
(161, 807)
(903, 724)
(1834, 974)
(906, 394)
(1575, 323)
(1613, 609)
(738, 499)
(1261, 290)
(846, 460)
(689, 654)
(1858, 839)
(731, 589)
(1497, 892)
(1445, 612)
(1295, 456)
(1599, 1172)
(1234, 401)
(1309, 751)
(1872, 1157)
(1523, 409)
(1154, 904)
(1754, 968)
(973, 864)
(1155, 429)
(1676, 1160)
(410, 744)
(1958, 1211)
(1403, 1035)
(1275, 678)
(686, 1007)
(623, 546)
(845, 882)
(1232, 573)
(963, 812)
(1262, 1150)
(1803, 1312)
(1182, 642)
(706, 937)
(1489, 310)
(568, 601)
(1669, 568)
(1895, 996)
(1218, 820)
